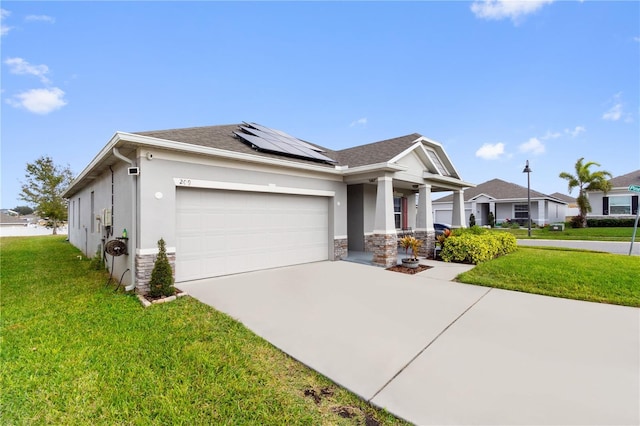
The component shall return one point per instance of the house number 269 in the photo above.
(185, 182)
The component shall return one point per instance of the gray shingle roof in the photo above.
(632, 178)
(377, 152)
(497, 189)
(567, 198)
(222, 137)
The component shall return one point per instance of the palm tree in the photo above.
(586, 180)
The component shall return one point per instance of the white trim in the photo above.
(340, 237)
(384, 232)
(378, 167)
(233, 186)
(144, 252)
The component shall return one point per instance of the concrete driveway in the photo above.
(432, 351)
(615, 247)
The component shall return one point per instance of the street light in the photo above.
(527, 170)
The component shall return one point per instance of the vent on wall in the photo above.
(270, 140)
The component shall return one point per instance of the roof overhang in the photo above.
(128, 142)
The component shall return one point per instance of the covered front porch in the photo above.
(382, 209)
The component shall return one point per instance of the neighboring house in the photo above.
(507, 201)
(572, 204)
(243, 197)
(619, 202)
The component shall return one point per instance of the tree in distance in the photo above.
(586, 180)
(45, 183)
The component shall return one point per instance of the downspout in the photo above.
(133, 232)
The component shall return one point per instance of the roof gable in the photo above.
(497, 189)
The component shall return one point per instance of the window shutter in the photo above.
(605, 206)
(634, 204)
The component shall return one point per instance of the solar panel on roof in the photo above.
(266, 139)
(287, 137)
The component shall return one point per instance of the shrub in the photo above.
(475, 247)
(472, 220)
(610, 222)
(576, 221)
(161, 283)
(491, 219)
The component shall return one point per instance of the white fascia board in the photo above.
(120, 138)
(415, 145)
(480, 195)
(106, 151)
(197, 149)
(441, 151)
(379, 167)
(450, 180)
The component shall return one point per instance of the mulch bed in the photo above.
(410, 271)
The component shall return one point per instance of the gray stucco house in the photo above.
(619, 202)
(243, 197)
(507, 201)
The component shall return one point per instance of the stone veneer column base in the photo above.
(428, 243)
(144, 266)
(385, 249)
(340, 248)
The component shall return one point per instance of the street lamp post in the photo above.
(527, 170)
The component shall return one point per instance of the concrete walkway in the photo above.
(432, 351)
(614, 247)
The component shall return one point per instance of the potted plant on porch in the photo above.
(410, 242)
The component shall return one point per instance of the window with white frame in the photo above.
(520, 211)
(620, 204)
(397, 211)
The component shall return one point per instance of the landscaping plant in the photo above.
(161, 284)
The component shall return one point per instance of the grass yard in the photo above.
(74, 352)
(572, 274)
(588, 234)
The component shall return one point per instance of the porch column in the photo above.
(384, 239)
(424, 222)
(458, 220)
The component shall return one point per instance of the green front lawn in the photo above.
(572, 274)
(588, 234)
(75, 352)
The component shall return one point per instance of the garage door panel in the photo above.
(229, 232)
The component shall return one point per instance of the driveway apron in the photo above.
(432, 351)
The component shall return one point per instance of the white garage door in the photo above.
(443, 216)
(227, 232)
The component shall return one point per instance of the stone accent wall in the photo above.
(428, 243)
(385, 251)
(144, 266)
(368, 243)
(340, 248)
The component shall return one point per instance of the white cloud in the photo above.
(39, 101)
(533, 146)
(40, 18)
(490, 151)
(636, 39)
(575, 132)
(359, 122)
(20, 66)
(501, 9)
(551, 135)
(614, 113)
(4, 30)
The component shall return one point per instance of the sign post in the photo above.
(634, 188)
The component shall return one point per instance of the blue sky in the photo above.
(497, 83)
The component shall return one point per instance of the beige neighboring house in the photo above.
(572, 204)
(507, 201)
(619, 202)
(243, 197)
